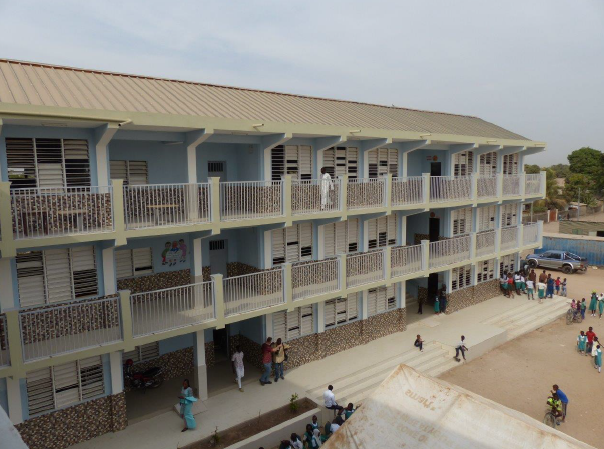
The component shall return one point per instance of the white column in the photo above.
(117, 372)
(103, 135)
(320, 242)
(7, 298)
(109, 275)
(268, 249)
(321, 317)
(365, 304)
(15, 408)
(192, 164)
(201, 374)
(197, 273)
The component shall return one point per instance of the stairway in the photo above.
(356, 386)
(528, 317)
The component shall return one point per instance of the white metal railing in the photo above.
(509, 238)
(172, 308)
(253, 291)
(364, 193)
(532, 184)
(72, 327)
(449, 251)
(310, 196)
(247, 200)
(511, 185)
(153, 205)
(450, 188)
(56, 211)
(487, 187)
(315, 278)
(485, 243)
(530, 234)
(405, 260)
(408, 190)
(4, 354)
(364, 268)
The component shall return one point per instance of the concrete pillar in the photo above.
(109, 273)
(268, 325)
(425, 254)
(117, 372)
(7, 295)
(197, 271)
(365, 304)
(103, 135)
(15, 407)
(201, 373)
(321, 316)
(426, 190)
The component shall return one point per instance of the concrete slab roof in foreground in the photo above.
(38, 85)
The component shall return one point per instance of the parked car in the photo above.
(561, 260)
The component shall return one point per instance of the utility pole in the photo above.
(579, 205)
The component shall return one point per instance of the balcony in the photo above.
(248, 200)
(316, 196)
(530, 234)
(366, 193)
(407, 260)
(408, 190)
(486, 187)
(445, 189)
(4, 354)
(252, 292)
(509, 238)
(449, 251)
(511, 185)
(485, 243)
(533, 185)
(315, 278)
(365, 268)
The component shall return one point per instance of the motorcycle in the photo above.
(150, 378)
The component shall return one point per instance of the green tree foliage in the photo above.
(583, 183)
(551, 189)
(586, 161)
(531, 169)
(561, 170)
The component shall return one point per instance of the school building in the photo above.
(167, 221)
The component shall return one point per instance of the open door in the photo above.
(218, 257)
(435, 169)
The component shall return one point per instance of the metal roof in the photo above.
(27, 83)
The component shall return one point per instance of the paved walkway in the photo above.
(232, 407)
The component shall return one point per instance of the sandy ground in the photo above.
(520, 373)
(553, 227)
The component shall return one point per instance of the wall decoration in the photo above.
(174, 253)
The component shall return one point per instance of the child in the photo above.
(437, 306)
(517, 282)
(593, 303)
(530, 288)
(349, 411)
(315, 423)
(564, 287)
(419, 343)
(541, 291)
(598, 359)
(581, 342)
(601, 304)
(510, 285)
(164, 253)
(583, 307)
(503, 283)
(522, 283)
(557, 283)
(183, 250)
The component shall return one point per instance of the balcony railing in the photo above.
(409, 190)
(509, 238)
(253, 291)
(366, 193)
(249, 200)
(315, 278)
(532, 184)
(315, 195)
(406, 260)
(487, 187)
(54, 330)
(153, 205)
(511, 185)
(530, 234)
(485, 243)
(364, 268)
(172, 308)
(449, 251)
(4, 354)
(58, 211)
(450, 188)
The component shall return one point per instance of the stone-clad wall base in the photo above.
(63, 428)
(156, 281)
(210, 356)
(175, 364)
(318, 346)
(470, 296)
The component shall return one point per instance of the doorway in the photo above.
(221, 344)
(434, 233)
(434, 229)
(435, 169)
(217, 169)
(218, 257)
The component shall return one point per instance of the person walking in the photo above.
(533, 276)
(442, 297)
(278, 358)
(437, 306)
(557, 284)
(581, 343)
(326, 189)
(420, 304)
(530, 289)
(522, 283)
(238, 369)
(541, 291)
(510, 285)
(543, 277)
(601, 305)
(461, 348)
(583, 307)
(186, 405)
(593, 303)
(591, 335)
(517, 282)
(419, 343)
(598, 359)
(563, 398)
(550, 287)
(267, 361)
(564, 288)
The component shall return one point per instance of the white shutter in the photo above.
(137, 173)
(510, 164)
(341, 310)
(149, 351)
(352, 162)
(277, 163)
(486, 270)
(382, 232)
(339, 161)
(40, 393)
(393, 161)
(21, 163)
(372, 233)
(352, 303)
(486, 218)
(58, 275)
(91, 377)
(381, 300)
(292, 320)
(306, 320)
(142, 261)
(488, 164)
(119, 170)
(292, 245)
(341, 234)
(85, 280)
(278, 246)
(279, 326)
(391, 297)
(77, 163)
(305, 162)
(329, 239)
(123, 263)
(463, 163)
(372, 299)
(391, 223)
(66, 384)
(30, 278)
(508, 215)
(133, 355)
(373, 163)
(353, 235)
(330, 313)
(329, 162)
(462, 221)
(305, 231)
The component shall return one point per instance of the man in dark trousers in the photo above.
(461, 347)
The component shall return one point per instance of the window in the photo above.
(133, 262)
(56, 275)
(510, 164)
(462, 221)
(557, 256)
(486, 218)
(341, 310)
(47, 163)
(383, 161)
(133, 173)
(461, 277)
(63, 385)
(297, 323)
(293, 160)
(340, 161)
(487, 165)
(507, 264)
(142, 353)
(485, 270)
(292, 244)
(463, 163)
(508, 215)
(341, 237)
(382, 231)
(381, 300)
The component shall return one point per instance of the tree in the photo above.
(586, 161)
(531, 169)
(551, 189)
(580, 183)
(561, 170)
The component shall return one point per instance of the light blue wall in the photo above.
(419, 223)
(252, 329)
(418, 162)
(24, 403)
(242, 161)
(176, 343)
(242, 245)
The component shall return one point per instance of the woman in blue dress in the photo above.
(550, 286)
(593, 303)
(186, 405)
(598, 359)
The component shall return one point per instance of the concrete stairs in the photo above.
(528, 317)
(356, 386)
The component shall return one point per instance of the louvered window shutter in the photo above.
(85, 280)
(305, 162)
(329, 235)
(341, 311)
(292, 320)
(306, 320)
(330, 313)
(119, 170)
(381, 300)
(341, 237)
(142, 259)
(352, 303)
(372, 299)
(329, 162)
(486, 218)
(40, 394)
(137, 173)
(372, 233)
(58, 275)
(373, 166)
(391, 297)
(133, 355)
(279, 326)
(391, 221)
(49, 159)
(30, 278)
(353, 235)
(21, 163)
(149, 351)
(462, 221)
(292, 244)
(278, 242)
(277, 162)
(91, 377)
(77, 163)
(305, 230)
(292, 163)
(352, 162)
(508, 215)
(393, 161)
(382, 231)
(66, 384)
(123, 263)
(488, 164)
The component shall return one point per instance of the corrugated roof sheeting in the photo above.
(47, 85)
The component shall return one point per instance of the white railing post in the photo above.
(425, 254)
(473, 187)
(286, 199)
(342, 267)
(286, 279)
(472, 245)
(218, 297)
(215, 200)
(520, 235)
(387, 262)
(497, 240)
(426, 188)
(388, 190)
(499, 186)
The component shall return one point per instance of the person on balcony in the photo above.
(186, 406)
(326, 188)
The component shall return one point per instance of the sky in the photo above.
(535, 67)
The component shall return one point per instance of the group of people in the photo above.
(558, 402)
(588, 344)
(525, 282)
(459, 349)
(596, 304)
(273, 356)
